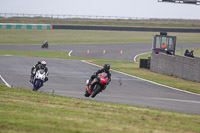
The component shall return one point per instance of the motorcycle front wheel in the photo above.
(37, 85)
(87, 94)
(96, 90)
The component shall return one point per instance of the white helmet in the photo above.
(43, 64)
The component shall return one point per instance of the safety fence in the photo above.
(25, 26)
(72, 16)
(69, 16)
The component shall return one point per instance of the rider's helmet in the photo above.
(106, 67)
(43, 64)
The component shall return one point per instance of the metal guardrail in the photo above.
(65, 16)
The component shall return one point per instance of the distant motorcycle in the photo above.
(97, 85)
(39, 79)
(45, 44)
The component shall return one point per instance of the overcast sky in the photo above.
(127, 8)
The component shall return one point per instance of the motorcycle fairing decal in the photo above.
(35, 82)
(103, 79)
(89, 90)
(94, 81)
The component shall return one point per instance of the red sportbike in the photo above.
(97, 85)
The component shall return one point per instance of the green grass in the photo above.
(42, 53)
(24, 36)
(124, 66)
(23, 110)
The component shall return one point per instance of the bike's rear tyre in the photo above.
(96, 91)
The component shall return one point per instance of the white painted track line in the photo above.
(5, 82)
(146, 80)
(70, 52)
(139, 55)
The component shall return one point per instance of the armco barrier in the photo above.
(120, 28)
(87, 27)
(176, 65)
(25, 26)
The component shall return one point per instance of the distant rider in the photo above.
(45, 44)
(38, 66)
(105, 69)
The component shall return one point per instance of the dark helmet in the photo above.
(43, 64)
(106, 67)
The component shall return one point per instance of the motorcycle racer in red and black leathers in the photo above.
(105, 69)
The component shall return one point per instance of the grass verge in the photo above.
(23, 110)
(23, 36)
(124, 66)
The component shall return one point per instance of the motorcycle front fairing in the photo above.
(38, 79)
(100, 80)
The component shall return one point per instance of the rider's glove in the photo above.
(46, 79)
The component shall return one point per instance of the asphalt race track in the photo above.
(67, 77)
(112, 51)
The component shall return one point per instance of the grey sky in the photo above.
(127, 8)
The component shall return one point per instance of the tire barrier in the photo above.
(120, 28)
(25, 26)
(145, 63)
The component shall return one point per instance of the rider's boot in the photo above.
(31, 79)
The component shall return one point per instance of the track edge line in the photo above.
(145, 80)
